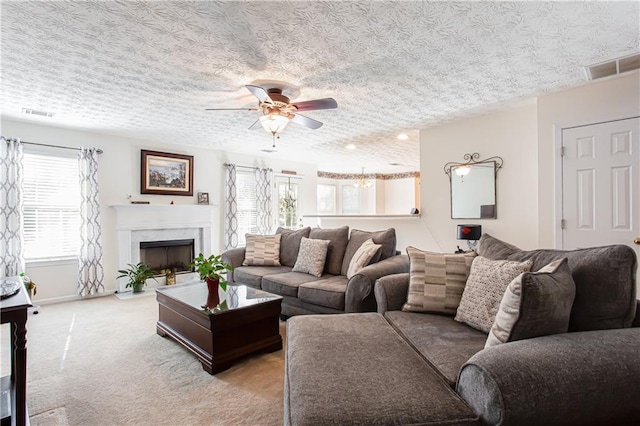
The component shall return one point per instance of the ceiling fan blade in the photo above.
(306, 121)
(326, 103)
(231, 109)
(256, 125)
(259, 93)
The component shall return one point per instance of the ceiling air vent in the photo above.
(36, 112)
(613, 67)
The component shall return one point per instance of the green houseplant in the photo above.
(210, 270)
(138, 275)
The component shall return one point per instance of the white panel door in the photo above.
(601, 184)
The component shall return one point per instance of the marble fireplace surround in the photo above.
(136, 223)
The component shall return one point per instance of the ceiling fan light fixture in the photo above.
(274, 123)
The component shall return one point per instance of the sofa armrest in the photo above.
(584, 378)
(359, 296)
(233, 257)
(391, 292)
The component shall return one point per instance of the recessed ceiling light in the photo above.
(269, 150)
(350, 147)
(403, 136)
(36, 112)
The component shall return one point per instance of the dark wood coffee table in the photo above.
(246, 321)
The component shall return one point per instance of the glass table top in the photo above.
(197, 296)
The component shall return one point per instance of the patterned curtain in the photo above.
(11, 198)
(263, 200)
(90, 272)
(231, 208)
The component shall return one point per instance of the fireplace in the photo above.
(174, 255)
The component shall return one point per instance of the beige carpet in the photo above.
(100, 362)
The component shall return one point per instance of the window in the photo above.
(247, 204)
(350, 199)
(51, 207)
(289, 200)
(326, 199)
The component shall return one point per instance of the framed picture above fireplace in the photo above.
(163, 173)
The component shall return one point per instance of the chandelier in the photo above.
(362, 182)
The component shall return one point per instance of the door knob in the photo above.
(636, 240)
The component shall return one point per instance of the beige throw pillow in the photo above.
(487, 282)
(362, 257)
(312, 256)
(535, 304)
(436, 281)
(262, 250)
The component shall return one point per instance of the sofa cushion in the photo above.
(487, 282)
(436, 281)
(443, 342)
(338, 237)
(311, 257)
(363, 256)
(286, 284)
(290, 244)
(386, 238)
(535, 304)
(252, 275)
(262, 250)
(327, 292)
(604, 277)
(354, 369)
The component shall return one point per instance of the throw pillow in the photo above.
(487, 282)
(338, 239)
(362, 257)
(262, 250)
(436, 281)
(386, 238)
(290, 244)
(535, 304)
(312, 256)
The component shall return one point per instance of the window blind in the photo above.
(247, 202)
(51, 207)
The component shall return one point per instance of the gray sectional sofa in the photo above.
(397, 367)
(333, 292)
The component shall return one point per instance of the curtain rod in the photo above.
(242, 167)
(99, 151)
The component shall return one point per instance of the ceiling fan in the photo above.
(277, 110)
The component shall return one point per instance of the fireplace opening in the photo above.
(173, 255)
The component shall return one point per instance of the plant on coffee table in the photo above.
(210, 269)
(138, 275)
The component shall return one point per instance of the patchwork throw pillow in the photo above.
(535, 304)
(312, 256)
(487, 282)
(262, 250)
(362, 257)
(436, 281)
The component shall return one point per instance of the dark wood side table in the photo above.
(245, 320)
(13, 310)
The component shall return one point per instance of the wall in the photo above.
(510, 134)
(119, 176)
(603, 100)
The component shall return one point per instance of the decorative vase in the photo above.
(213, 285)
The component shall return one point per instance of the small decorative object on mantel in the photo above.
(136, 202)
(203, 198)
(210, 270)
(170, 275)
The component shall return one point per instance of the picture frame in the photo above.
(163, 173)
(203, 198)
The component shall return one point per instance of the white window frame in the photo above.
(334, 201)
(297, 186)
(34, 202)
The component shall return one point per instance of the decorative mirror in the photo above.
(473, 187)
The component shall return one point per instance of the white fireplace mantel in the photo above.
(154, 222)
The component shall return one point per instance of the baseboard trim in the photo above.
(53, 300)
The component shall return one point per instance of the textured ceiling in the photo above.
(148, 69)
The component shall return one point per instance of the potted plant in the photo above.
(138, 275)
(210, 270)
